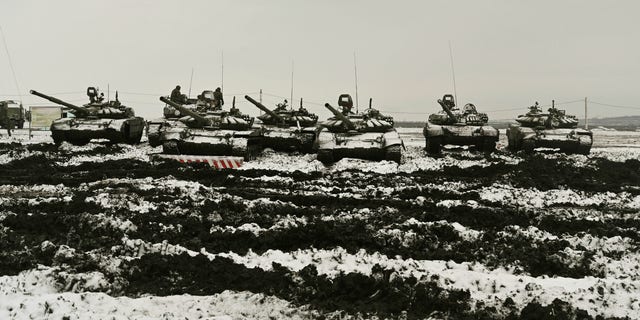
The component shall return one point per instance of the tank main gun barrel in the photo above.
(60, 102)
(340, 116)
(446, 109)
(265, 109)
(186, 111)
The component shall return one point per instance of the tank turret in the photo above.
(554, 118)
(447, 103)
(266, 110)
(346, 122)
(200, 119)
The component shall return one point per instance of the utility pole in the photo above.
(190, 82)
(260, 100)
(355, 71)
(291, 98)
(222, 70)
(586, 118)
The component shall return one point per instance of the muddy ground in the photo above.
(162, 229)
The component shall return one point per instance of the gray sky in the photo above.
(507, 54)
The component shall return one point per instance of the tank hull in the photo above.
(567, 140)
(154, 129)
(483, 137)
(289, 139)
(333, 146)
(82, 130)
(195, 141)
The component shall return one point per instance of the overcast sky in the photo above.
(507, 54)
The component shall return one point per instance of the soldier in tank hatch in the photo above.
(177, 96)
(282, 106)
(219, 100)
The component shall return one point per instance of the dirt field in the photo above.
(101, 230)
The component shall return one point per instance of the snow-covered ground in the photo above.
(97, 231)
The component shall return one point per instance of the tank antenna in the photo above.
(222, 70)
(453, 73)
(355, 70)
(15, 79)
(190, 82)
(291, 98)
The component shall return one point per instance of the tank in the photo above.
(554, 130)
(12, 111)
(203, 102)
(287, 129)
(459, 127)
(211, 132)
(96, 120)
(368, 135)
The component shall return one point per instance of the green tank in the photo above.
(459, 127)
(552, 130)
(211, 132)
(287, 129)
(367, 135)
(171, 115)
(96, 120)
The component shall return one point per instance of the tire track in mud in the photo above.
(194, 233)
(381, 294)
(262, 209)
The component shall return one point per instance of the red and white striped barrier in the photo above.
(218, 162)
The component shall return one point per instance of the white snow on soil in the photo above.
(534, 198)
(227, 305)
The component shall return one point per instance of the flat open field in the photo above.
(100, 231)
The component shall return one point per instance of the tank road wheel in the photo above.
(393, 153)
(135, 139)
(511, 144)
(79, 141)
(252, 152)
(326, 157)
(434, 145)
(528, 146)
(170, 147)
(488, 146)
(58, 137)
(584, 149)
(306, 148)
(129, 136)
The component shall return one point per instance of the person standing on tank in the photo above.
(219, 100)
(177, 96)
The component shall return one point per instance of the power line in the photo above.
(6, 48)
(499, 110)
(273, 95)
(613, 105)
(403, 112)
(141, 94)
